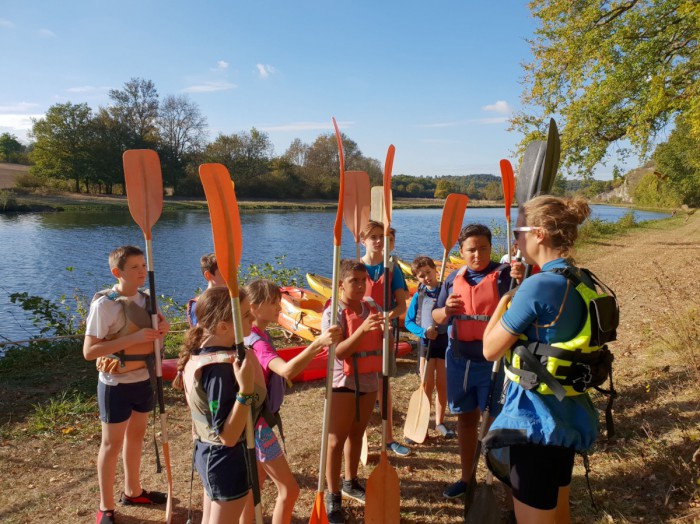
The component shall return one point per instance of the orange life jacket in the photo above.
(375, 288)
(480, 302)
(367, 357)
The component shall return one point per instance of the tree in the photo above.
(678, 159)
(296, 153)
(611, 70)
(9, 146)
(64, 140)
(182, 132)
(443, 188)
(136, 106)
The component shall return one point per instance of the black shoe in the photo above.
(352, 489)
(334, 508)
(105, 517)
(145, 498)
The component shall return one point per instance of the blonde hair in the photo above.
(559, 217)
(263, 291)
(213, 306)
(371, 225)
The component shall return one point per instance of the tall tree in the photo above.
(136, 106)
(611, 70)
(9, 146)
(64, 140)
(678, 160)
(183, 131)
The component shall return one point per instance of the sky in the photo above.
(438, 80)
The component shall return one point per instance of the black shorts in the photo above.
(117, 402)
(223, 470)
(436, 350)
(537, 473)
(348, 390)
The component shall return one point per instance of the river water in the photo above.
(54, 254)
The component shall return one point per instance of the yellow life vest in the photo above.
(573, 367)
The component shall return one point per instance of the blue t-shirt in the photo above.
(412, 315)
(475, 347)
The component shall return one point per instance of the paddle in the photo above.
(471, 486)
(228, 242)
(382, 494)
(318, 513)
(144, 191)
(508, 189)
(377, 203)
(418, 414)
(356, 207)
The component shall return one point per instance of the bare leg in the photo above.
(131, 456)
(563, 515)
(529, 515)
(467, 435)
(226, 512)
(248, 515)
(206, 507)
(287, 489)
(354, 443)
(429, 380)
(390, 417)
(112, 439)
(342, 417)
(441, 385)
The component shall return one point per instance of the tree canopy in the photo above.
(612, 70)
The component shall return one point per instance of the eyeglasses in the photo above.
(523, 229)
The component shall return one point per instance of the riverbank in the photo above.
(49, 432)
(26, 201)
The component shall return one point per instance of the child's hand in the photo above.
(454, 305)
(372, 322)
(146, 335)
(517, 270)
(163, 325)
(245, 375)
(331, 336)
(431, 333)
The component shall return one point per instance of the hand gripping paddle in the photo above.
(144, 191)
(382, 494)
(418, 414)
(228, 242)
(318, 513)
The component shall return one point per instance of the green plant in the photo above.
(276, 272)
(58, 318)
(7, 201)
(66, 413)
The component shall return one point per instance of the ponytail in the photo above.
(192, 343)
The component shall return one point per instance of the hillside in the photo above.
(9, 172)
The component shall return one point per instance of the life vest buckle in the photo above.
(583, 381)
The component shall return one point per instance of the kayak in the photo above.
(303, 305)
(457, 260)
(298, 326)
(322, 285)
(316, 369)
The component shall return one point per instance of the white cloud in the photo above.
(45, 33)
(21, 107)
(87, 89)
(6, 23)
(265, 70)
(222, 64)
(303, 126)
(501, 106)
(209, 87)
(17, 124)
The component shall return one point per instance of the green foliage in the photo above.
(28, 181)
(276, 272)
(652, 191)
(10, 147)
(595, 227)
(66, 414)
(611, 71)
(60, 318)
(8, 203)
(678, 160)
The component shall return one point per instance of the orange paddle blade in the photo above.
(225, 221)
(338, 227)
(388, 166)
(383, 494)
(356, 205)
(508, 180)
(318, 513)
(452, 217)
(144, 187)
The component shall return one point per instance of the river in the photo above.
(55, 254)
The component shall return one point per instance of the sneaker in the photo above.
(146, 497)
(410, 442)
(105, 517)
(352, 489)
(445, 431)
(456, 490)
(334, 508)
(399, 449)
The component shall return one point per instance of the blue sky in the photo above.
(436, 79)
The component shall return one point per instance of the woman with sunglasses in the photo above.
(532, 443)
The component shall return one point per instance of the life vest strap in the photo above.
(480, 318)
(361, 354)
(536, 372)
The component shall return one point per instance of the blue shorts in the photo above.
(267, 447)
(117, 402)
(223, 470)
(463, 399)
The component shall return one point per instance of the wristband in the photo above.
(246, 400)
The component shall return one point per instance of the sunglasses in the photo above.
(523, 229)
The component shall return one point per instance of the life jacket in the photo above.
(197, 398)
(367, 357)
(134, 357)
(480, 302)
(375, 288)
(424, 312)
(571, 368)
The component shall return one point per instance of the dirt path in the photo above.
(642, 476)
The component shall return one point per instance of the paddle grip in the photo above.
(240, 352)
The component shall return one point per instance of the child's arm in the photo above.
(291, 369)
(94, 347)
(410, 320)
(347, 347)
(232, 428)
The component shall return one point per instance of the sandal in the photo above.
(445, 431)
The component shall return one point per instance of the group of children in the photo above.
(449, 319)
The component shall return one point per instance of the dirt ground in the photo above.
(644, 475)
(8, 173)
